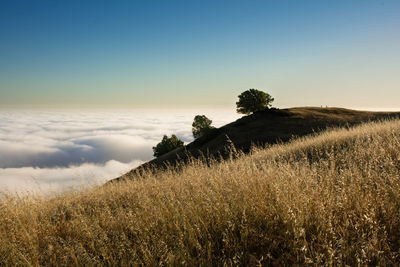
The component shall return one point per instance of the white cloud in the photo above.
(29, 179)
(58, 148)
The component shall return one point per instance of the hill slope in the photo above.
(268, 127)
(330, 199)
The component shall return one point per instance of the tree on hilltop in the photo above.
(166, 145)
(253, 100)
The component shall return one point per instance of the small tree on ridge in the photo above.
(253, 100)
(201, 126)
(166, 145)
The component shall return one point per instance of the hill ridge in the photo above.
(264, 127)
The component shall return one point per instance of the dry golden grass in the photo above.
(333, 198)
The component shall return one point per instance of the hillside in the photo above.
(268, 127)
(328, 199)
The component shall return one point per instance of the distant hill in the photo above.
(261, 128)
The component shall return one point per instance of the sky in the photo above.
(199, 54)
(87, 88)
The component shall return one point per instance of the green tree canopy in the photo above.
(166, 145)
(253, 100)
(201, 126)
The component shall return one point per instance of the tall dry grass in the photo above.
(333, 198)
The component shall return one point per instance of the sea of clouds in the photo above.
(57, 150)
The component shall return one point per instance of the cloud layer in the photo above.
(59, 149)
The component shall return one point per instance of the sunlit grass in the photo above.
(332, 198)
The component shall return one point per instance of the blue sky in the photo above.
(180, 54)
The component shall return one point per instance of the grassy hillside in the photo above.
(333, 198)
(268, 127)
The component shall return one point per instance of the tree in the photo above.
(253, 100)
(201, 126)
(166, 145)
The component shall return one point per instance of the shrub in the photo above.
(253, 100)
(166, 145)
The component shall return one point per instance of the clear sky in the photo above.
(180, 54)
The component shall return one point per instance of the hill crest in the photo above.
(262, 128)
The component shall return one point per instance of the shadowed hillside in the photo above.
(267, 127)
